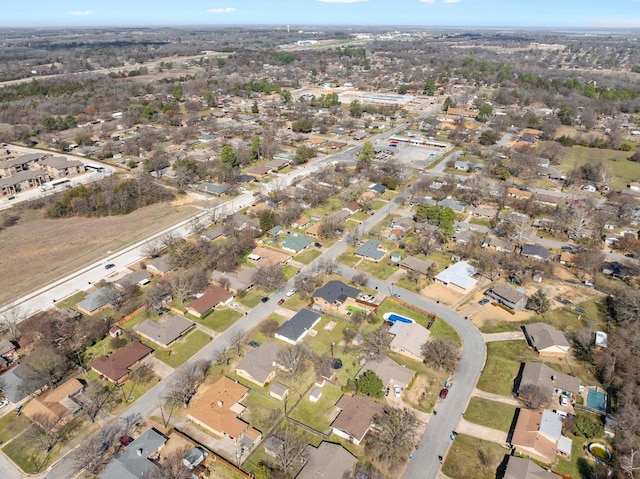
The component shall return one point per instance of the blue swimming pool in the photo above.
(597, 400)
(394, 317)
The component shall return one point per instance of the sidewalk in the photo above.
(495, 397)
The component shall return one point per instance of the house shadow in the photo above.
(517, 380)
(502, 468)
(512, 428)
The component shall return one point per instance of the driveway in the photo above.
(506, 336)
(482, 432)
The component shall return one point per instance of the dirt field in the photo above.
(439, 292)
(38, 251)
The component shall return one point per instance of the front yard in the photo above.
(471, 457)
(493, 414)
(183, 348)
(502, 366)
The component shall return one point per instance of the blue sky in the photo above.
(535, 13)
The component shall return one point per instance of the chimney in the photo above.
(220, 403)
(139, 451)
(553, 378)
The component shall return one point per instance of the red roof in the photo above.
(116, 366)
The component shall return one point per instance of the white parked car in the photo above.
(564, 401)
(291, 292)
(233, 305)
(396, 390)
(4, 403)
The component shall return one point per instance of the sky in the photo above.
(423, 13)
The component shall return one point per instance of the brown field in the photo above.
(37, 251)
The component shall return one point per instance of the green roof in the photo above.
(296, 243)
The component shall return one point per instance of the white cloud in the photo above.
(342, 1)
(428, 1)
(221, 10)
(82, 13)
(452, 1)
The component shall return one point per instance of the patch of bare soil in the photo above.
(37, 250)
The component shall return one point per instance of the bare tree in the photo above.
(441, 354)
(376, 341)
(153, 248)
(235, 340)
(326, 266)
(307, 284)
(170, 466)
(532, 396)
(292, 359)
(10, 320)
(393, 437)
(292, 446)
(186, 383)
(270, 277)
(360, 279)
(46, 431)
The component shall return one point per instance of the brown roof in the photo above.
(314, 229)
(526, 434)
(356, 415)
(116, 366)
(213, 407)
(270, 255)
(353, 206)
(302, 221)
(212, 296)
(49, 404)
(258, 170)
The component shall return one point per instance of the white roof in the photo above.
(458, 274)
(551, 424)
(564, 445)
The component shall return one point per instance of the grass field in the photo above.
(308, 256)
(495, 415)
(503, 365)
(471, 457)
(220, 320)
(37, 251)
(318, 415)
(183, 348)
(11, 425)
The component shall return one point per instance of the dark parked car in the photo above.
(254, 344)
(265, 299)
(483, 301)
(443, 393)
(109, 266)
(126, 440)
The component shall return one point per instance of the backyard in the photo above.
(502, 366)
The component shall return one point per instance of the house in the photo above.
(314, 230)
(534, 251)
(334, 294)
(60, 167)
(160, 266)
(498, 244)
(260, 364)
(301, 222)
(546, 200)
(237, 281)
(377, 188)
(458, 276)
(214, 233)
(396, 234)
(538, 434)
(273, 446)
(464, 237)
(521, 468)
(259, 171)
(216, 189)
(56, 406)
(409, 340)
(462, 165)
(163, 333)
(355, 417)
(23, 163)
(550, 380)
(371, 250)
(21, 181)
(411, 263)
(218, 407)
(137, 458)
(193, 457)
(485, 212)
(96, 301)
(278, 163)
(7, 351)
(339, 217)
(567, 258)
(352, 207)
(388, 371)
(296, 243)
(294, 330)
(455, 205)
(269, 255)
(547, 340)
(116, 367)
(405, 224)
(327, 460)
(507, 296)
(137, 278)
(212, 297)
(20, 382)
(519, 194)
(278, 391)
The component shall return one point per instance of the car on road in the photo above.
(254, 344)
(109, 266)
(396, 391)
(473, 228)
(265, 299)
(443, 393)
(396, 295)
(483, 301)
(291, 292)
(281, 301)
(4, 403)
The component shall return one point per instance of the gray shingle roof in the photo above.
(96, 300)
(297, 326)
(543, 336)
(134, 461)
(540, 374)
(370, 250)
(260, 363)
(334, 290)
(165, 332)
(534, 250)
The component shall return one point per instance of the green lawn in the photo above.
(441, 259)
(579, 465)
(493, 414)
(137, 319)
(264, 411)
(381, 270)
(290, 271)
(220, 320)
(27, 456)
(360, 216)
(441, 330)
(471, 457)
(348, 258)
(184, 348)
(101, 348)
(308, 256)
(259, 336)
(503, 364)
(377, 204)
(11, 425)
(318, 415)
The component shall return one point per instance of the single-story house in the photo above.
(259, 171)
(212, 297)
(294, 330)
(507, 296)
(388, 371)
(96, 301)
(137, 278)
(405, 224)
(57, 405)
(462, 165)
(409, 340)
(116, 367)
(296, 243)
(334, 294)
(278, 163)
(547, 340)
(268, 255)
(521, 468)
(7, 349)
(458, 276)
(301, 222)
(498, 244)
(160, 266)
(486, 212)
(260, 364)
(538, 434)
(137, 458)
(519, 194)
(546, 200)
(165, 332)
(352, 207)
(20, 382)
(411, 263)
(567, 258)
(216, 189)
(534, 251)
(217, 408)
(539, 374)
(396, 234)
(314, 230)
(327, 460)
(377, 188)
(464, 237)
(355, 418)
(455, 205)
(214, 233)
(371, 250)
(239, 280)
